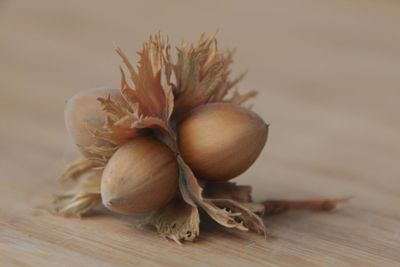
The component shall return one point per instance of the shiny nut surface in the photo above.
(140, 177)
(220, 141)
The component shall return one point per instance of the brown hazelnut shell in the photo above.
(219, 141)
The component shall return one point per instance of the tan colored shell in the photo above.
(140, 177)
(220, 141)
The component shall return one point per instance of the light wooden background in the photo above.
(329, 79)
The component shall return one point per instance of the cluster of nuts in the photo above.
(218, 141)
(167, 144)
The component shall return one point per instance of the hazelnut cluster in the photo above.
(167, 142)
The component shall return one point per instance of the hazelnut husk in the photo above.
(166, 143)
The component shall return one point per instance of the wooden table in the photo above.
(329, 79)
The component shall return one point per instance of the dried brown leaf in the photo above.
(250, 220)
(237, 198)
(192, 194)
(148, 91)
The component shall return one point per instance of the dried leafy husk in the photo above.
(250, 220)
(242, 194)
(78, 167)
(232, 191)
(150, 101)
(233, 218)
(202, 76)
(177, 221)
(237, 198)
(154, 99)
(81, 199)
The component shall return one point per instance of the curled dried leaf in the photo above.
(151, 98)
(192, 193)
(154, 99)
(237, 199)
(250, 220)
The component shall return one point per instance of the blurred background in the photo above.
(328, 72)
(328, 75)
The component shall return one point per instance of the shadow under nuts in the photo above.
(140, 177)
(220, 141)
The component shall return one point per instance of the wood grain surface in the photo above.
(328, 73)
